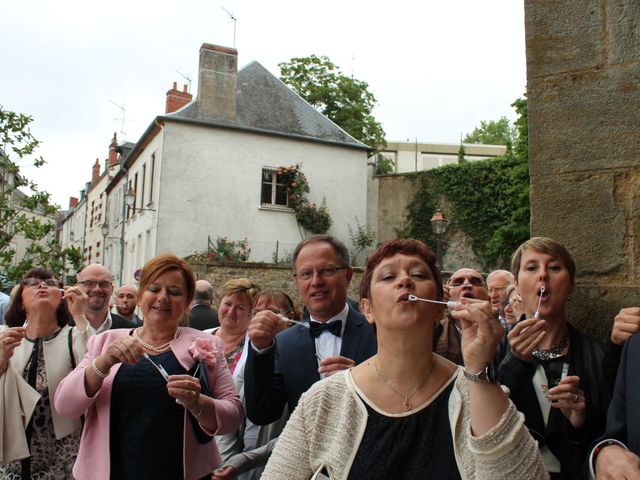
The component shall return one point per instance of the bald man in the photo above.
(202, 316)
(126, 297)
(97, 283)
(467, 283)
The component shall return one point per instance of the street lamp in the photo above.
(130, 200)
(439, 226)
(104, 229)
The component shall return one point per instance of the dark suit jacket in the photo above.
(118, 321)
(569, 445)
(623, 418)
(286, 371)
(202, 317)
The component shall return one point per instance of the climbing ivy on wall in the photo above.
(488, 200)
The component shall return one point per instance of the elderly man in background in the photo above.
(467, 283)
(97, 283)
(497, 283)
(126, 297)
(202, 316)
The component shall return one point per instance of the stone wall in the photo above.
(583, 84)
(266, 276)
(394, 194)
(263, 274)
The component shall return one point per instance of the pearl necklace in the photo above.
(407, 400)
(165, 347)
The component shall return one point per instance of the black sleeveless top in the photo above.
(147, 425)
(412, 446)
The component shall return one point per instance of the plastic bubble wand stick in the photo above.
(537, 314)
(449, 304)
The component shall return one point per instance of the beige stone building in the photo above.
(417, 156)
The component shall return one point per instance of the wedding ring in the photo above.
(193, 393)
(576, 397)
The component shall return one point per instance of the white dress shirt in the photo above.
(328, 344)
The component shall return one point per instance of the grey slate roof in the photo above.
(265, 104)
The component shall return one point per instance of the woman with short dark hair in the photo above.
(407, 412)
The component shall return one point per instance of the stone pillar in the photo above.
(583, 84)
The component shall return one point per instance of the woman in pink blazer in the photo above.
(154, 396)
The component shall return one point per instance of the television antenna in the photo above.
(124, 112)
(234, 19)
(186, 78)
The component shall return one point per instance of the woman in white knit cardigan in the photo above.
(407, 412)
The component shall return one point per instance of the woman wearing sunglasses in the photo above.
(37, 350)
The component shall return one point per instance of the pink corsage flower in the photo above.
(203, 349)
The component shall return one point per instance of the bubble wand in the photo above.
(449, 304)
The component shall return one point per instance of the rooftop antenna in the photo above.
(186, 78)
(234, 19)
(124, 112)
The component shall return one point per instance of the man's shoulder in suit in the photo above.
(118, 321)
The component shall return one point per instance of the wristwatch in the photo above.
(483, 376)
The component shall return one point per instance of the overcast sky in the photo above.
(437, 68)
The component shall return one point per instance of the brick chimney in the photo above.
(73, 202)
(177, 99)
(95, 172)
(113, 152)
(217, 81)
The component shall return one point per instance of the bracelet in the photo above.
(483, 376)
(597, 449)
(95, 368)
(197, 415)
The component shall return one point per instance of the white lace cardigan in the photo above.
(328, 424)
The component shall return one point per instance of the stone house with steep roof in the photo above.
(209, 169)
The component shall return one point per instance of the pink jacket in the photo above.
(94, 459)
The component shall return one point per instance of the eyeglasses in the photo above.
(323, 272)
(459, 282)
(104, 284)
(36, 282)
(497, 290)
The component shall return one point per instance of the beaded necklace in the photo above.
(554, 352)
(165, 347)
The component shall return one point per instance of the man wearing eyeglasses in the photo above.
(97, 283)
(466, 283)
(281, 368)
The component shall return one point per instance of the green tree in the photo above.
(493, 133)
(362, 237)
(521, 127)
(343, 99)
(25, 214)
(488, 200)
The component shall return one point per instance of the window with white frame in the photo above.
(274, 192)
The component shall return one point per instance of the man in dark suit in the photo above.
(97, 282)
(617, 453)
(202, 316)
(126, 297)
(282, 367)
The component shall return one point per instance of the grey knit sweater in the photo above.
(327, 427)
